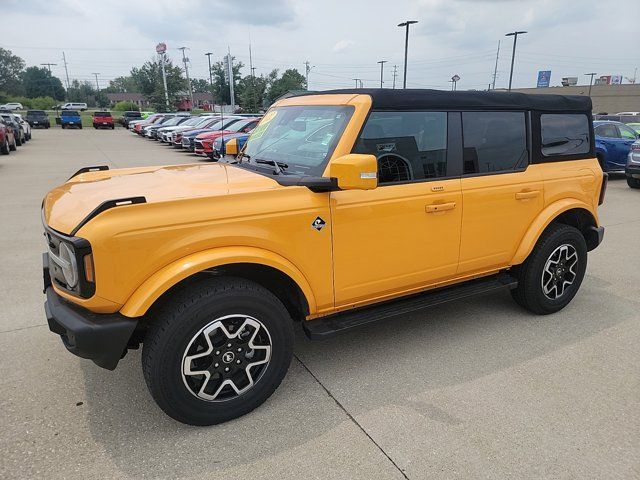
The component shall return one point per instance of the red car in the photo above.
(204, 141)
(150, 120)
(103, 120)
(7, 138)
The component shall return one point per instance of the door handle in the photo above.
(527, 195)
(439, 207)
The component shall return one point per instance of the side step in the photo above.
(325, 327)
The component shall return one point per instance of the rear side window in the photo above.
(408, 145)
(494, 141)
(564, 134)
(608, 130)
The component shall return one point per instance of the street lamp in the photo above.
(591, 75)
(513, 53)
(454, 81)
(213, 99)
(381, 62)
(406, 47)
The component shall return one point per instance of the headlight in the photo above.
(68, 264)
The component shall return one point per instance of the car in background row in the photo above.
(38, 119)
(164, 133)
(75, 106)
(146, 115)
(203, 143)
(18, 129)
(188, 138)
(25, 126)
(129, 116)
(70, 118)
(150, 131)
(103, 120)
(219, 144)
(632, 170)
(613, 144)
(635, 126)
(7, 138)
(12, 106)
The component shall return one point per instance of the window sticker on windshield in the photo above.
(262, 126)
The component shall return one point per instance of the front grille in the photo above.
(198, 144)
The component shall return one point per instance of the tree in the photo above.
(124, 84)
(198, 85)
(82, 92)
(148, 78)
(253, 90)
(291, 79)
(11, 69)
(38, 82)
(221, 86)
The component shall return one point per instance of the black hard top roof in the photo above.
(411, 99)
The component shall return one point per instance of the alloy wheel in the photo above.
(560, 271)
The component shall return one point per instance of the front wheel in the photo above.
(4, 149)
(217, 351)
(633, 182)
(551, 276)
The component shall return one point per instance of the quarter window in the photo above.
(494, 141)
(408, 145)
(564, 134)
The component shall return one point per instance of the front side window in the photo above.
(300, 137)
(564, 134)
(627, 133)
(494, 141)
(408, 145)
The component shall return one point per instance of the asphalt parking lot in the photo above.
(474, 389)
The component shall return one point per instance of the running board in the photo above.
(325, 327)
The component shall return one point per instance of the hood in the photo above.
(214, 134)
(67, 205)
(195, 133)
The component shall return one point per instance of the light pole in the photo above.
(513, 53)
(406, 47)
(591, 75)
(381, 62)
(213, 100)
(454, 81)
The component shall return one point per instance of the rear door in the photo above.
(616, 147)
(501, 193)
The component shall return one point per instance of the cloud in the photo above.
(342, 46)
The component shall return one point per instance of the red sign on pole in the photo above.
(161, 47)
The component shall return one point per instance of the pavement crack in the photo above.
(351, 417)
(22, 328)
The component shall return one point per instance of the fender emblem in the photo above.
(318, 223)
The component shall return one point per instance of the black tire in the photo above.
(18, 141)
(80, 127)
(529, 293)
(633, 182)
(64, 126)
(181, 321)
(14, 146)
(4, 149)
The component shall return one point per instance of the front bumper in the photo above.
(102, 338)
(594, 237)
(632, 170)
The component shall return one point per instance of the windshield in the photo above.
(173, 121)
(302, 137)
(200, 121)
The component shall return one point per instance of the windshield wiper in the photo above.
(278, 166)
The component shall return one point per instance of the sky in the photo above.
(342, 39)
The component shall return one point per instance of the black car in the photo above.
(130, 115)
(10, 119)
(38, 119)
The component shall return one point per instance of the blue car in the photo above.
(70, 118)
(613, 144)
(220, 143)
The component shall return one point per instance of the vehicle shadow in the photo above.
(391, 362)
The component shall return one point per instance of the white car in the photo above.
(12, 106)
(25, 126)
(631, 114)
(75, 106)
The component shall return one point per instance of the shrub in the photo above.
(42, 103)
(125, 106)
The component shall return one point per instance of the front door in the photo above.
(405, 234)
(502, 194)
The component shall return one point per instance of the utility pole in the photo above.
(231, 80)
(513, 53)
(161, 49)
(381, 62)
(395, 74)
(307, 69)
(495, 69)
(213, 99)
(66, 72)
(49, 65)
(406, 47)
(97, 85)
(359, 83)
(185, 60)
(590, 75)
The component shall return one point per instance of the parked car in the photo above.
(12, 106)
(70, 118)
(25, 126)
(632, 170)
(219, 144)
(628, 113)
(342, 209)
(18, 129)
(187, 139)
(150, 131)
(129, 116)
(38, 119)
(203, 143)
(75, 106)
(103, 119)
(146, 115)
(7, 138)
(613, 144)
(165, 133)
(156, 118)
(635, 126)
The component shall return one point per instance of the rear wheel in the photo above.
(551, 276)
(217, 351)
(13, 146)
(4, 149)
(18, 141)
(633, 182)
